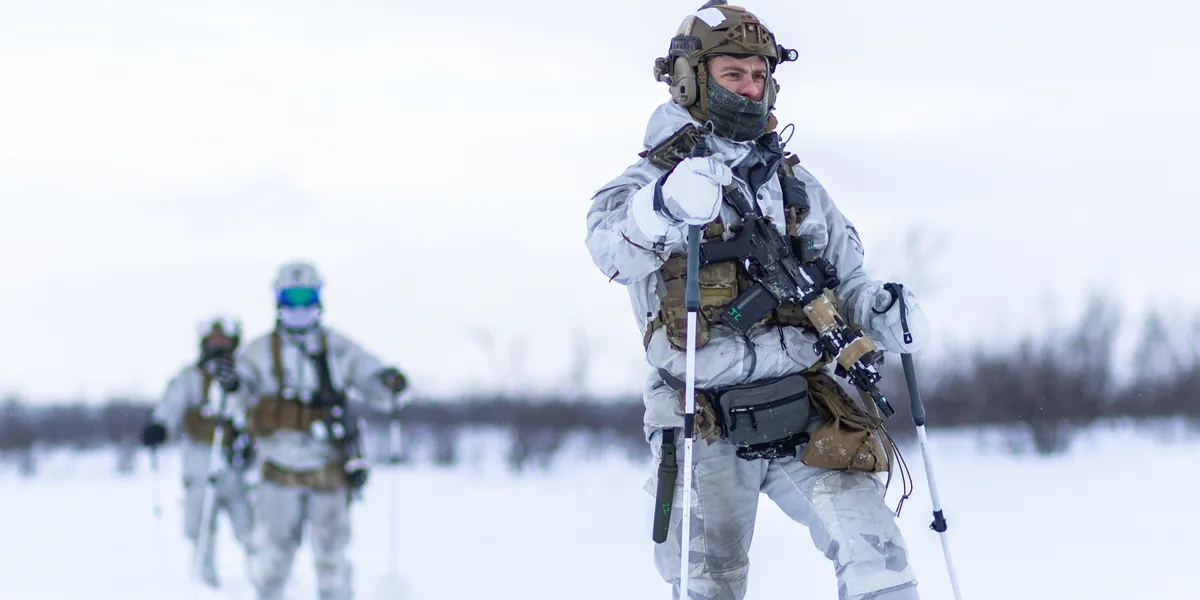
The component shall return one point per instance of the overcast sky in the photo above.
(436, 160)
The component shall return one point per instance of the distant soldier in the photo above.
(189, 408)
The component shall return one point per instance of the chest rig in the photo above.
(721, 283)
(325, 417)
(197, 426)
(768, 418)
(284, 411)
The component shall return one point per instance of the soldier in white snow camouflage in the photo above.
(291, 384)
(187, 410)
(721, 69)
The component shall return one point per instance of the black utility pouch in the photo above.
(766, 419)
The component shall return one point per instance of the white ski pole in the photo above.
(692, 302)
(157, 498)
(391, 586)
(939, 519)
(154, 484)
(216, 460)
(394, 506)
(691, 299)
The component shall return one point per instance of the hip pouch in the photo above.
(848, 438)
(766, 419)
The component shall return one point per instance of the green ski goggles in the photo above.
(299, 297)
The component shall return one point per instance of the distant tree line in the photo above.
(1041, 391)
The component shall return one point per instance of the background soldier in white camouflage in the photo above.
(293, 384)
(188, 409)
(721, 71)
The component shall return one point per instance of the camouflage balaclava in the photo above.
(212, 330)
(734, 116)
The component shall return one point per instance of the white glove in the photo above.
(692, 192)
(897, 324)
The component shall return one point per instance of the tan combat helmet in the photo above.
(717, 28)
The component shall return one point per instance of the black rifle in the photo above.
(339, 424)
(780, 277)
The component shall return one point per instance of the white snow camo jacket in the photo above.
(622, 234)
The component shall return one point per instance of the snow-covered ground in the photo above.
(1115, 519)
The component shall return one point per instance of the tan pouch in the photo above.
(201, 429)
(274, 413)
(718, 287)
(848, 438)
(706, 425)
(332, 476)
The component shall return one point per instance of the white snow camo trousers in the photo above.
(280, 516)
(845, 512)
(230, 497)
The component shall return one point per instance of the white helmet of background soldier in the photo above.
(219, 336)
(718, 29)
(297, 288)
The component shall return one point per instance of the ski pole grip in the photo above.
(914, 394)
(691, 297)
(668, 471)
(691, 292)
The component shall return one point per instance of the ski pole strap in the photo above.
(897, 292)
(664, 497)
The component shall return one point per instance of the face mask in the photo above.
(735, 117)
(299, 318)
